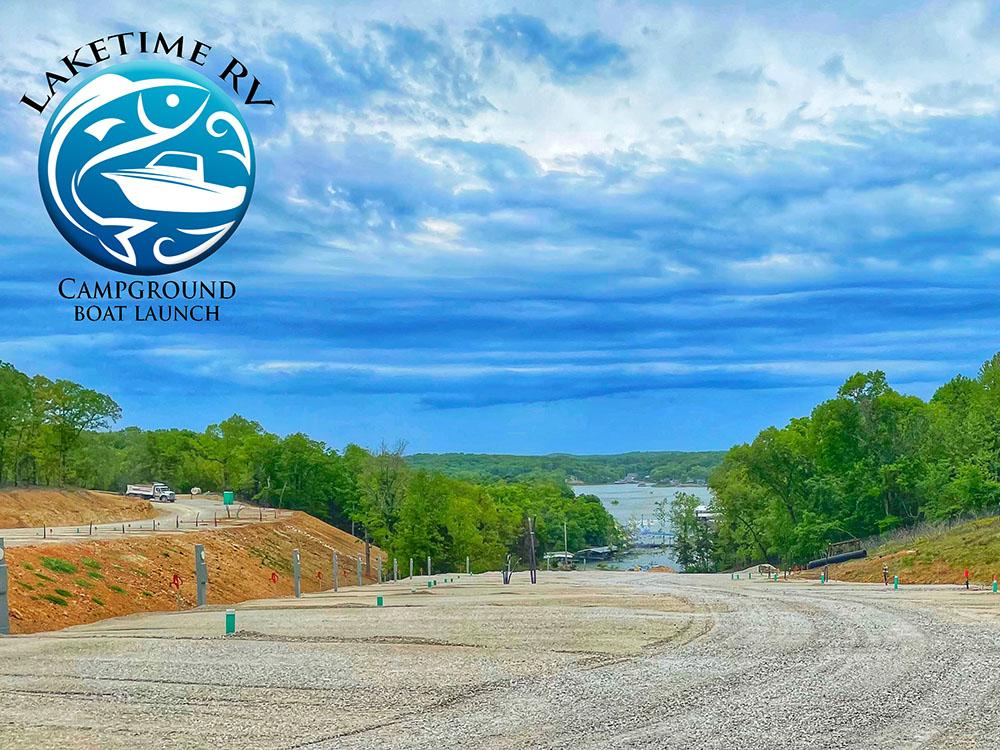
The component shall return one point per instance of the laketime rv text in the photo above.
(234, 73)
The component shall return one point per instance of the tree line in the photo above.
(861, 464)
(59, 433)
(658, 466)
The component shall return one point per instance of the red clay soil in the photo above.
(34, 507)
(55, 586)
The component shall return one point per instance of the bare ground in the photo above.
(583, 660)
(57, 585)
(37, 506)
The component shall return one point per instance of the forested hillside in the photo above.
(58, 433)
(667, 466)
(867, 461)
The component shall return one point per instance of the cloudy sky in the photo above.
(586, 227)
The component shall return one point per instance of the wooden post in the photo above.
(531, 551)
(336, 572)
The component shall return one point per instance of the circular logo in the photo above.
(146, 168)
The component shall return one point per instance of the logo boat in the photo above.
(175, 181)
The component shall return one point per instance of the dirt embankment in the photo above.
(935, 557)
(55, 586)
(36, 507)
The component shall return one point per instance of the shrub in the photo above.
(54, 599)
(89, 562)
(97, 601)
(83, 583)
(64, 592)
(95, 575)
(119, 589)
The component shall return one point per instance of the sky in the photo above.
(580, 227)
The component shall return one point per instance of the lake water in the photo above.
(631, 501)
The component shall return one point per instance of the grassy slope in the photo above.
(936, 557)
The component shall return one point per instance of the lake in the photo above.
(635, 501)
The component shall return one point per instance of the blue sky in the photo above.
(585, 227)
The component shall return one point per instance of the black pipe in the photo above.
(842, 557)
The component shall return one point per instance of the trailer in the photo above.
(155, 491)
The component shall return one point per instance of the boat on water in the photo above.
(175, 181)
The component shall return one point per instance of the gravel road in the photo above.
(582, 660)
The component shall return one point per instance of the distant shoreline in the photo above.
(578, 483)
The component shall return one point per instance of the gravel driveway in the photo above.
(583, 660)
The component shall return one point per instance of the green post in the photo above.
(230, 621)
(228, 497)
(822, 577)
(994, 584)
(378, 601)
(429, 584)
(750, 576)
(895, 583)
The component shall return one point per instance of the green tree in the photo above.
(15, 407)
(68, 410)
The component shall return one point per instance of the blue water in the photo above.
(628, 502)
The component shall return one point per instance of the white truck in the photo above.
(157, 492)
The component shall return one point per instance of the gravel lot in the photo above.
(588, 660)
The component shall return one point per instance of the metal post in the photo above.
(380, 569)
(411, 567)
(395, 570)
(368, 555)
(468, 567)
(359, 570)
(428, 564)
(336, 572)
(201, 574)
(4, 610)
(297, 573)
